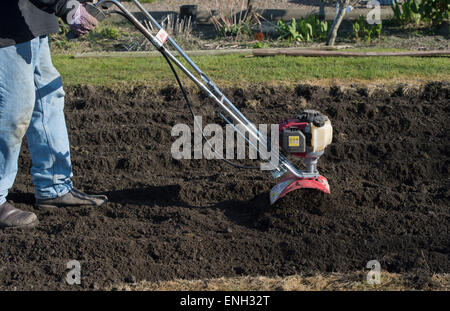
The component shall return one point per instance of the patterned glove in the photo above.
(82, 22)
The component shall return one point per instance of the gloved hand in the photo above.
(82, 22)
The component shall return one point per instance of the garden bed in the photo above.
(388, 169)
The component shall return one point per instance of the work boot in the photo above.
(73, 198)
(11, 217)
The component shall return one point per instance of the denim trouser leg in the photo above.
(32, 102)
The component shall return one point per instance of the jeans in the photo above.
(31, 104)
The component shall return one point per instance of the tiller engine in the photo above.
(305, 136)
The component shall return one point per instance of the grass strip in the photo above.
(238, 70)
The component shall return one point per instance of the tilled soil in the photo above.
(388, 169)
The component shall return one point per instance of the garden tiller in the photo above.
(305, 135)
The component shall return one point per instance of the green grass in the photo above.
(234, 69)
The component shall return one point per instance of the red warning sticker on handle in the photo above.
(162, 36)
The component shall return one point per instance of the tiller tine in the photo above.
(291, 183)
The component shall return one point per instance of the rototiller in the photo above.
(306, 135)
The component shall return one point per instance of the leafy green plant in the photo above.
(368, 34)
(289, 31)
(376, 29)
(261, 45)
(407, 12)
(359, 28)
(397, 11)
(110, 32)
(304, 29)
(362, 29)
(319, 28)
(433, 12)
(323, 29)
(413, 12)
(356, 30)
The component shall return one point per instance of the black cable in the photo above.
(188, 103)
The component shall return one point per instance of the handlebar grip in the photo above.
(92, 10)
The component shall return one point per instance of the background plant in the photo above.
(435, 11)
(361, 29)
(431, 12)
(304, 29)
(376, 29)
(180, 29)
(368, 34)
(356, 31)
(177, 26)
(294, 31)
(341, 6)
(235, 18)
(407, 12)
(261, 45)
(320, 27)
(109, 32)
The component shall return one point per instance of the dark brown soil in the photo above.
(388, 169)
